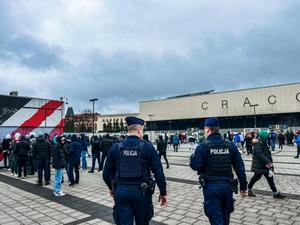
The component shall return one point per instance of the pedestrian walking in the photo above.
(248, 141)
(162, 149)
(262, 164)
(297, 140)
(96, 150)
(175, 142)
(213, 160)
(127, 173)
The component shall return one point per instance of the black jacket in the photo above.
(6, 144)
(106, 144)
(161, 146)
(22, 148)
(261, 157)
(58, 156)
(42, 149)
(96, 148)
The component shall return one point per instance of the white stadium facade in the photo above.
(277, 106)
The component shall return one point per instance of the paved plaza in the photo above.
(22, 202)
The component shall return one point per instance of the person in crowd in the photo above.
(162, 149)
(96, 151)
(47, 138)
(272, 138)
(14, 155)
(192, 140)
(42, 156)
(58, 163)
(262, 164)
(146, 137)
(242, 140)
(105, 146)
(75, 149)
(237, 141)
(5, 148)
(175, 142)
(22, 149)
(297, 141)
(281, 139)
(84, 152)
(248, 141)
(31, 162)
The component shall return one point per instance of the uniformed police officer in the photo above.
(127, 173)
(213, 160)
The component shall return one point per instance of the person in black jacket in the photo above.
(248, 140)
(22, 149)
(262, 164)
(281, 139)
(6, 147)
(105, 146)
(162, 149)
(58, 163)
(42, 155)
(74, 159)
(95, 154)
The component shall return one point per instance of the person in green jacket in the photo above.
(262, 164)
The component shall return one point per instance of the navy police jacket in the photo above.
(199, 160)
(151, 162)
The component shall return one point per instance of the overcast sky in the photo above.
(123, 52)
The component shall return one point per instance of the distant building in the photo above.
(113, 122)
(69, 120)
(84, 122)
(277, 106)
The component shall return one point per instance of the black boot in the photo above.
(251, 194)
(278, 195)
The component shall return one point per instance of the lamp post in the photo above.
(62, 111)
(150, 117)
(93, 100)
(169, 125)
(254, 107)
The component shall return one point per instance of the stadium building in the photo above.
(273, 106)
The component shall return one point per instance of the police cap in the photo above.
(212, 122)
(131, 120)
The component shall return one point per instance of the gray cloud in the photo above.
(159, 50)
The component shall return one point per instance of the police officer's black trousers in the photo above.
(256, 177)
(218, 202)
(131, 204)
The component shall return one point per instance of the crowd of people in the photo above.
(27, 155)
(245, 142)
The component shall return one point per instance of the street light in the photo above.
(62, 111)
(254, 107)
(169, 124)
(93, 100)
(150, 116)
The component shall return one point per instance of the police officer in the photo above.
(127, 173)
(213, 160)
